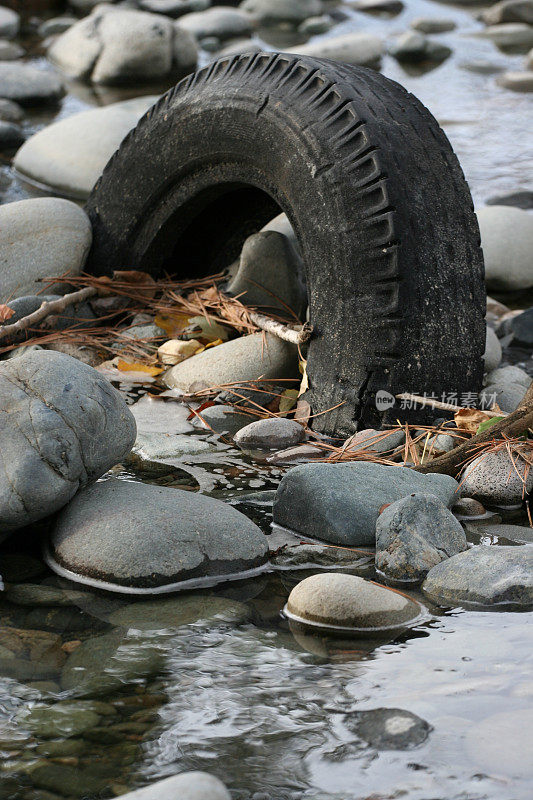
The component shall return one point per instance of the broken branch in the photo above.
(45, 310)
(295, 335)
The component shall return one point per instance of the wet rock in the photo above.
(362, 49)
(493, 351)
(64, 719)
(244, 359)
(9, 51)
(521, 326)
(153, 415)
(483, 576)
(508, 396)
(55, 25)
(70, 155)
(297, 455)
(29, 86)
(270, 433)
(267, 276)
(141, 535)
(269, 12)
(222, 22)
(9, 23)
(165, 448)
(223, 419)
(179, 610)
(64, 426)
(10, 112)
(414, 534)
(174, 8)
(340, 503)
(238, 46)
(509, 11)
(492, 478)
(442, 443)
(311, 556)
(262, 394)
(314, 26)
(390, 7)
(347, 601)
(75, 316)
(375, 441)
(389, 728)
(27, 654)
(510, 34)
(513, 533)
(523, 198)
(11, 135)
(116, 45)
(517, 81)
(468, 507)
(17, 567)
(67, 781)
(39, 238)
(186, 786)
(412, 47)
(36, 594)
(433, 25)
(509, 375)
(499, 746)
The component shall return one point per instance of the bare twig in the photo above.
(295, 335)
(45, 310)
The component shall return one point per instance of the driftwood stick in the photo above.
(286, 332)
(45, 310)
(514, 424)
(429, 402)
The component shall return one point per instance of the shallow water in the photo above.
(242, 695)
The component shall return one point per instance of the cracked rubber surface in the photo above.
(372, 188)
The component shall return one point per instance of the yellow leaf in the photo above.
(125, 366)
(469, 419)
(213, 344)
(174, 324)
(304, 385)
(288, 400)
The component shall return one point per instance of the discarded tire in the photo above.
(372, 188)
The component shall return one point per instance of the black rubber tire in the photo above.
(372, 188)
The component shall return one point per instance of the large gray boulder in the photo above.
(185, 786)
(141, 536)
(29, 86)
(69, 156)
(40, 238)
(483, 576)
(62, 425)
(414, 534)
(340, 503)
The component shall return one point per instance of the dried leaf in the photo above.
(126, 366)
(173, 324)
(207, 404)
(136, 278)
(213, 344)
(469, 419)
(303, 412)
(304, 385)
(5, 312)
(288, 400)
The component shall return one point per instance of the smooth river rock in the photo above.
(507, 242)
(272, 433)
(9, 23)
(69, 156)
(269, 12)
(185, 786)
(29, 86)
(136, 535)
(40, 238)
(332, 599)
(493, 478)
(389, 728)
(222, 22)
(363, 49)
(62, 425)
(414, 534)
(340, 503)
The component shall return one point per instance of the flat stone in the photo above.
(179, 610)
(314, 26)
(413, 534)
(9, 51)
(412, 47)
(223, 419)
(268, 12)
(311, 556)
(340, 503)
(40, 238)
(62, 425)
(10, 112)
(483, 576)
(509, 375)
(433, 25)
(78, 315)
(9, 23)
(362, 49)
(29, 86)
(153, 415)
(517, 81)
(174, 8)
(492, 478)
(468, 507)
(335, 600)
(186, 786)
(297, 455)
(55, 25)
(244, 359)
(65, 780)
(270, 433)
(69, 156)
(509, 11)
(64, 719)
(513, 533)
(166, 448)
(500, 744)
(36, 594)
(27, 654)
(144, 536)
(222, 22)
(523, 198)
(390, 7)
(510, 34)
(389, 728)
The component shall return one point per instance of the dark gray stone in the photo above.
(514, 533)
(508, 375)
(76, 316)
(11, 135)
(310, 556)
(270, 433)
(389, 728)
(414, 534)
(29, 86)
(269, 12)
(174, 8)
(412, 47)
(509, 11)
(521, 199)
(223, 419)
(433, 25)
(146, 536)
(522, 327)
(483, 576)
(10, 112)
(391, 7)
(9, 51)
(340, 503)
(62, 425)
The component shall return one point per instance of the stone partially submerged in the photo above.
(139, 538)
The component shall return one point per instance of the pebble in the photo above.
(493, 351)
(165, 448)
(314, 26)
(31, 594)
(509, 375)
(388, 728)
(523, 198)
(433, 25)
(222, 22)
(509, 11)
(468, 507)
(58, 409)
(360, 49)
(375, 441)
(29, 86)
(483, 576)
(509, 34)
(389, 7)
(77, 315)
(174, 8)
(64, 719)
(267, 276)
(179, 610)
(27, 654)
(144, 536)
(413, 534)
(247, 358)
(69, 156)
(521, 326)
(10, 112)
(340, 503)
(11, 135)
(154, 415)
(40, 238)
(56, 25)
(9, 23)
(412, 47)
(507, 396)
(336, 600)
(312, 556)
(186, 786)
(66, 780)
(297, 455)
(270, 433)
(223, 419)
(9, 51)
(273, 12)
(517, 81)
(492, 479)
